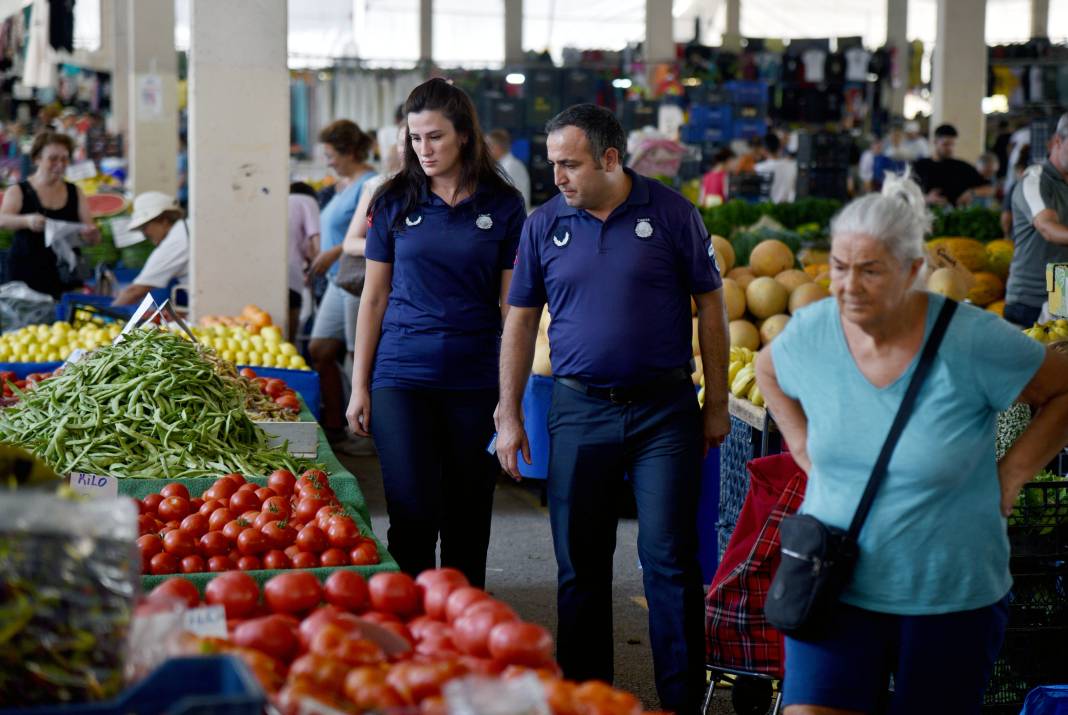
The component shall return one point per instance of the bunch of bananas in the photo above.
(1049, 332)
(741, 375)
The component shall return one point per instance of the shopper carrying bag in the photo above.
(920, 592)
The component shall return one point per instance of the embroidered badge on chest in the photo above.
(561, 242)
(484, 222)
(409, 221)
(643, 229)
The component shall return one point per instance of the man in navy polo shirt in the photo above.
(617, 258)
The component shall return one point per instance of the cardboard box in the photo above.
(303, 437)
(1057, 286)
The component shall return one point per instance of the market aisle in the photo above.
(522, 572)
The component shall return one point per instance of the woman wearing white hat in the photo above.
(159, 217)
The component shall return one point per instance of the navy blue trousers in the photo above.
(438, 477)
(593, 444)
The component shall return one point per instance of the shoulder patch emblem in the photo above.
(409, 221)
(561, 242)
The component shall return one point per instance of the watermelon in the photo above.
(106, 205)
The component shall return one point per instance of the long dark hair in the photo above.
(477, 166)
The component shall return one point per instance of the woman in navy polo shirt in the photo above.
(441, 244)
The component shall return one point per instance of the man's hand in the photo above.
(717, 424)
(511, 439)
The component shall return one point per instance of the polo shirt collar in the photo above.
(1052, 171)
(638, 196)
(426, 196)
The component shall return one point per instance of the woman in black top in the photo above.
(26, 206)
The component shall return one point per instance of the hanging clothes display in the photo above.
(40, 67)
(61, 25)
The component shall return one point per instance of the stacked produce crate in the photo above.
(1033, 651)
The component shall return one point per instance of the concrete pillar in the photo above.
(426, 31)
(239, 156)
(897, 23)
(119, 121)
(659, 32)
(153, 96)
(732, 37)
(1039, 18)
(513, 32)
(959, 76)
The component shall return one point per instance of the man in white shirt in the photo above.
(159, 217)
(500, 146)
(783, 171)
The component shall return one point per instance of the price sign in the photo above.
(94, 485)
(206, 621)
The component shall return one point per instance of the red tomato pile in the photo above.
(235, 524)
(274, 388)
(9, 379)
(304, 640)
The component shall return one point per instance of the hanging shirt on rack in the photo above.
(835, 68)
(815, 61)
(61, 24)
(857, 59)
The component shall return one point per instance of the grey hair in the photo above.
(898, 217)
(1062, 126)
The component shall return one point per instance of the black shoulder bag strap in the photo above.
(878, 473)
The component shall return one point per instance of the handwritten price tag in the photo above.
(206, 621)
(94, 485)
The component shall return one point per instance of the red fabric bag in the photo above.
(737, 635)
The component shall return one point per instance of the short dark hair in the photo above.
(945, 130)
(300, 187)
(347, 138)
(772, 143)
(49, 137)
(603, 131)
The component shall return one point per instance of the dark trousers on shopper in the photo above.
(658, 443)
(1023, 315)
(438, 477)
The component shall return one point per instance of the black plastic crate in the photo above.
(823, 183)
(1029, 657)
(1038, 527)
(824, 150)
(1040, 599)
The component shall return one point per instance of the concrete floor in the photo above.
(521, 571)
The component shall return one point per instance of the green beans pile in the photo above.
(151, 406)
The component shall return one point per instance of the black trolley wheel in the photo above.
(751, 696)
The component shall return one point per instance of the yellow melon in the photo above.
(806, 294)
(766, 297)
(742, 276)
(815, 269)
(986, 289)
(694, 343)
(693, 307)
(999, 257)
(793, 278)
(947, 282)
(770, 258)
(772, 327)
(724, 254)
(744, 335)
(813, 256)
(733, 298)
(997, 307)
(968, 252)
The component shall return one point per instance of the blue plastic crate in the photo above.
(734, 455)
(747, 92)
(703, 116)
(305, 382)
(220, 685)
(749, 128)
(22, 369)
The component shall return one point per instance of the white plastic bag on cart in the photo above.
(21, 305)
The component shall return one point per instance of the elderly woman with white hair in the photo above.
(927, 599)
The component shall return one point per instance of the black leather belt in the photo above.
(633, 393)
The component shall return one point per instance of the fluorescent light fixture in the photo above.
(515, 78)
(621, 83)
